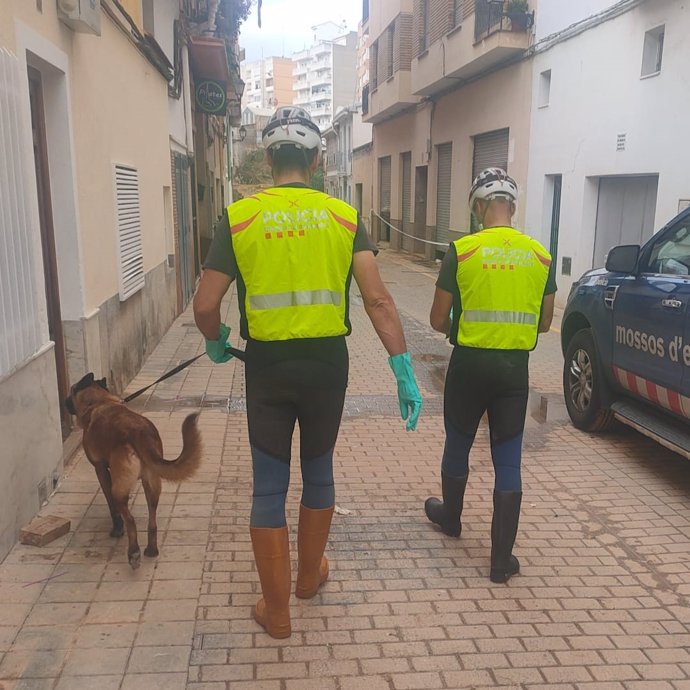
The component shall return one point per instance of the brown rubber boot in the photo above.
(312, 535)
(272, 556)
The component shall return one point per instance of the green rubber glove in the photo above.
(215, 349)
(408, 392)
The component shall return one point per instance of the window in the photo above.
(374, 55)
(653, 53)
(545, 88)
(671, 255)
(457, 12)
(424, 28)
(390, 51)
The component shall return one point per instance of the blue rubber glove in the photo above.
(408, 392)
(215, 349)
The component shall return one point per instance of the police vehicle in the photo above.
(626, 340)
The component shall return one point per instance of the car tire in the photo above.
(584, 384)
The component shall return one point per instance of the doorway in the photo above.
(557, 181)
(420, 196)
(625, 213)
(50, 267)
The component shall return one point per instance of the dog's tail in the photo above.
(189, 459)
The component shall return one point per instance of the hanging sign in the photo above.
(211, 97)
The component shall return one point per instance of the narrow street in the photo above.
(602, 603)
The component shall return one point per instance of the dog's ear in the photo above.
(102, 383)
(69, 404)
(83, 383)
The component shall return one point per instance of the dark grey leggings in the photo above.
(307, 391)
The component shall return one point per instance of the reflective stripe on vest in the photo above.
(299, 298)
(294, 248)
(501, 276)
(479, 316)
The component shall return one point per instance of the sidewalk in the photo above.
(601, 604)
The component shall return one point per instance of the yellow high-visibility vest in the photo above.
(502, 275)
(294, 249)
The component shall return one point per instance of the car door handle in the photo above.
(672, 303)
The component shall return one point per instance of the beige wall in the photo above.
(498, 101)
(383, 12)
(119, 114)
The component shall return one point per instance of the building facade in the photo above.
(448, 95)
(268, 82)
(94, 100)
(325, 75)
(607, 163)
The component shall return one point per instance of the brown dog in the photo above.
(124, 446)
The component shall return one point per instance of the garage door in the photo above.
(625, 213)
(407, 199)
(491, 151)
(385, 195)
(443, 189)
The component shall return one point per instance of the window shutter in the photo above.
(129, 231)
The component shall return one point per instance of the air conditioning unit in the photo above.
(81, 15)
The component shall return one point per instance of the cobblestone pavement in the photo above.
(602, 602)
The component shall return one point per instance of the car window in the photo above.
(671, 255)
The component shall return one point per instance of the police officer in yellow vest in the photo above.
(494, 294)
(293, 252)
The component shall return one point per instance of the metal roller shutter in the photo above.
(443, 191)
(385, 194)
(407, 199)
(491, 151)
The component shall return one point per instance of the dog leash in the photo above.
(239, 354)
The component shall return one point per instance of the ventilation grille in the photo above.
(621, 140)
(129, 231)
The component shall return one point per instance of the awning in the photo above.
(209, 59)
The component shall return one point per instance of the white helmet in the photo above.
(291, 125)
(493, 183)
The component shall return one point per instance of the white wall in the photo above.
(556, 15)
(596, 94)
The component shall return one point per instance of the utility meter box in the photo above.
(81, 15)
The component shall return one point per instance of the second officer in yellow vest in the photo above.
(293, 252)
(497, 286)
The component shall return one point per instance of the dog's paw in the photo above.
(135, 559)
(151, 552)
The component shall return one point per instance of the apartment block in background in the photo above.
(268, 82)
(326, 73)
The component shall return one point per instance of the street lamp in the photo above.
(242, 131)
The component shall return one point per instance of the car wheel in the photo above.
(583, 384)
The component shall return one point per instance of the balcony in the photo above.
(486, 39)
(390, 98)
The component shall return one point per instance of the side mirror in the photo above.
(623, 259)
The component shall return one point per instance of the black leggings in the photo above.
(279, 394)
(495, 382)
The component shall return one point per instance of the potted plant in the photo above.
(519, 15)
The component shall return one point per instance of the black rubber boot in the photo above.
(503, 532)
(446, 514)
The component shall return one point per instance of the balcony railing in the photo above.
(490, 17)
